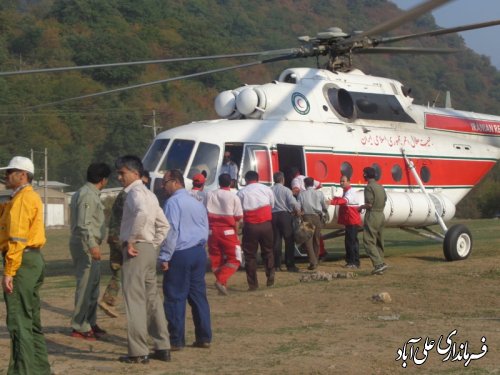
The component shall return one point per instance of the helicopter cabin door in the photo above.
(290, 156)
(257, 157)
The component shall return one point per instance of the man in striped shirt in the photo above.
(224, 213)
(257, 201)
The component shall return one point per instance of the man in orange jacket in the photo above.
(22, 235)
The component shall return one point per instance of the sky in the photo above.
(464, 12)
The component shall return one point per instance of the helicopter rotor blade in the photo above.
(178, 78)
(145, 62)
(401, 50)
(438, 32)
(413, 13)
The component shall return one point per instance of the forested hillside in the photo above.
(55, 33)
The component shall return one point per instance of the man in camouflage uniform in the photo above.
(110, 296)
(373, 240)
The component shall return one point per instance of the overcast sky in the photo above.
(464, 12)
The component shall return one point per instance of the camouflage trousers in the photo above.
(110, 295)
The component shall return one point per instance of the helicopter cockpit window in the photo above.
(346, 169)
(341, 101)
(378, 171)
(154, 154)
(178, 155)
(205, 159)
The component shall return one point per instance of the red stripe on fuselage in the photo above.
(462, 124)
(443, 172)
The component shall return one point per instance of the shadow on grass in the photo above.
(430, 259)
(70, 352)
(58, 310)
(64, 267)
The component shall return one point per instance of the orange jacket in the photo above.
(21, 226)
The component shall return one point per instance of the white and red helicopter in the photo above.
(338, 120)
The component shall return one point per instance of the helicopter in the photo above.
(334, 121)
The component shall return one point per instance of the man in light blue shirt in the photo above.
(183, 260)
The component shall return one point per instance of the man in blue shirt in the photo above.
(183, 260)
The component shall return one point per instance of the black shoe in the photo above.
(270, 281)
(201, 344)
(175, 348)
(142, 359)
(98, 331)
(293, 269)
(161, 355)
(312, 267)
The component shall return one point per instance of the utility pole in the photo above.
(45, 190)
(154, 124)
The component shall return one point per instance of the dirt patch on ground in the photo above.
(316, 327)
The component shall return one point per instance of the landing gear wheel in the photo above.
(457, 243)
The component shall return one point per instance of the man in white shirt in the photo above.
(257, 201)
(142, 230)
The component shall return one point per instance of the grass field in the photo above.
(308, 328)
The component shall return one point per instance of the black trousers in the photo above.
(351, 245)
(253, 236)
(283, 230)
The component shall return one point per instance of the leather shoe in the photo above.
(142, 359)
(161, 355)
(293, 269)
(174, 348)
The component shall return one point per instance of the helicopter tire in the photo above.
(457, 243)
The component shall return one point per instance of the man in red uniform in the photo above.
(349, 216)
(224, 213)
(257, 201)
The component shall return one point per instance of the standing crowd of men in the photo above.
(144, 237)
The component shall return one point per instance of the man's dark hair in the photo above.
(97, 171)
(251, 176)
(176, 174)
(308, 182)
(346, 176)
(131, 162)
(294, 171)
(225, 180)
(278, 177)
(369, 172)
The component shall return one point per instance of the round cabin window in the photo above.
(397, 173)
(378, 171)
(346, 169)
(425, 174)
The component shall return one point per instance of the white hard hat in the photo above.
(21, 163)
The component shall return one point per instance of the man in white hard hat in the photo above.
(22, 235)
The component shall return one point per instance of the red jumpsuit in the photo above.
(224, 212)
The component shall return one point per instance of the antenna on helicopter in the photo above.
(447, 101)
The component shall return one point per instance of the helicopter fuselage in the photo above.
(328, 124)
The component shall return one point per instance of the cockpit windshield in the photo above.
(178, 155)
(154, 154)
(205, 160)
